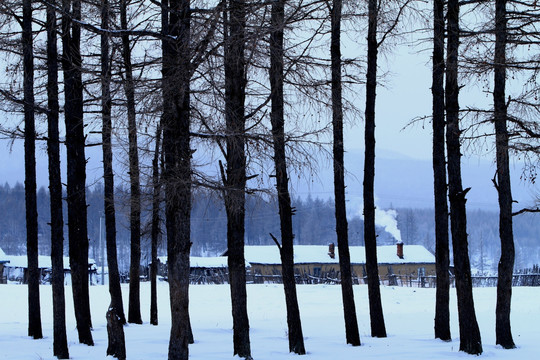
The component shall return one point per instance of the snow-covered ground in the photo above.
(409, 316)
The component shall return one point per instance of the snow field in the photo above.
(409, 314)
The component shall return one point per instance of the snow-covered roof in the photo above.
(203, 262)
(3, 256)
(318, 254)
(208, 262)
(44, 262)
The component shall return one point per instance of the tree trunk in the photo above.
(76, 167)
(156, 228)
(177, 170)
(115, 334)
(34, 313)
(115, 315)
(349, 308)
(296, 338)
(442, 311)
(60, 347)
(115, 289)
(235, 180)
(134, 307)
(378, 328)
(503, 185)
(469, 333)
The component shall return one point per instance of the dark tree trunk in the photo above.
(442, 310)
(115, 315)
(76, 167)
(156, 228)
(296, 338)
(34, 313)
(177, 169)
(349, 308)
(60, 347)
(108, 176)
(378, 329)
(235, 179)
(503, 185)
(469, 333)
(134, 307)
(115, 333)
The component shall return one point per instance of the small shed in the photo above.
(203, 270)
(16, 270)
(208, 270)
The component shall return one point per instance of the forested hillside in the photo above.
(314, 223)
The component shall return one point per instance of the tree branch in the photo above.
(276, 241)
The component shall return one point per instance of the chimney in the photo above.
(400, 249)
(331, 250)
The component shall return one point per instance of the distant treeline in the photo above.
(314, 223)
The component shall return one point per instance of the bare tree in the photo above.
(469, 333)
(378, 328)
(76, 166)
(156, 227)
(34, 312)
(502, 183)
(235, 178)
(277, 117)
(60, 347)
(176, 25)
(349, 308)
(115, 314)
(442, 310)
(134, 310)
(384, 18)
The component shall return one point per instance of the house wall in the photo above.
(398, 269)
(358, 270)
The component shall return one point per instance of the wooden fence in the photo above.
(221, 276)
(388, 280)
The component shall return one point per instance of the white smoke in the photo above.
(387, 219)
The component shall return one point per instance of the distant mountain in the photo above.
(401, 181)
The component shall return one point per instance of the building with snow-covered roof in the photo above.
(16, 269)
(203, 270)
(322, 262)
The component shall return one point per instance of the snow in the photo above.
(44, 262)
(202, 262)
(208, 262)
(303, 254)
(408, 312)
(411, 254)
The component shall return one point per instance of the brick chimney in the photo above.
(331, 250)
(399, 245)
